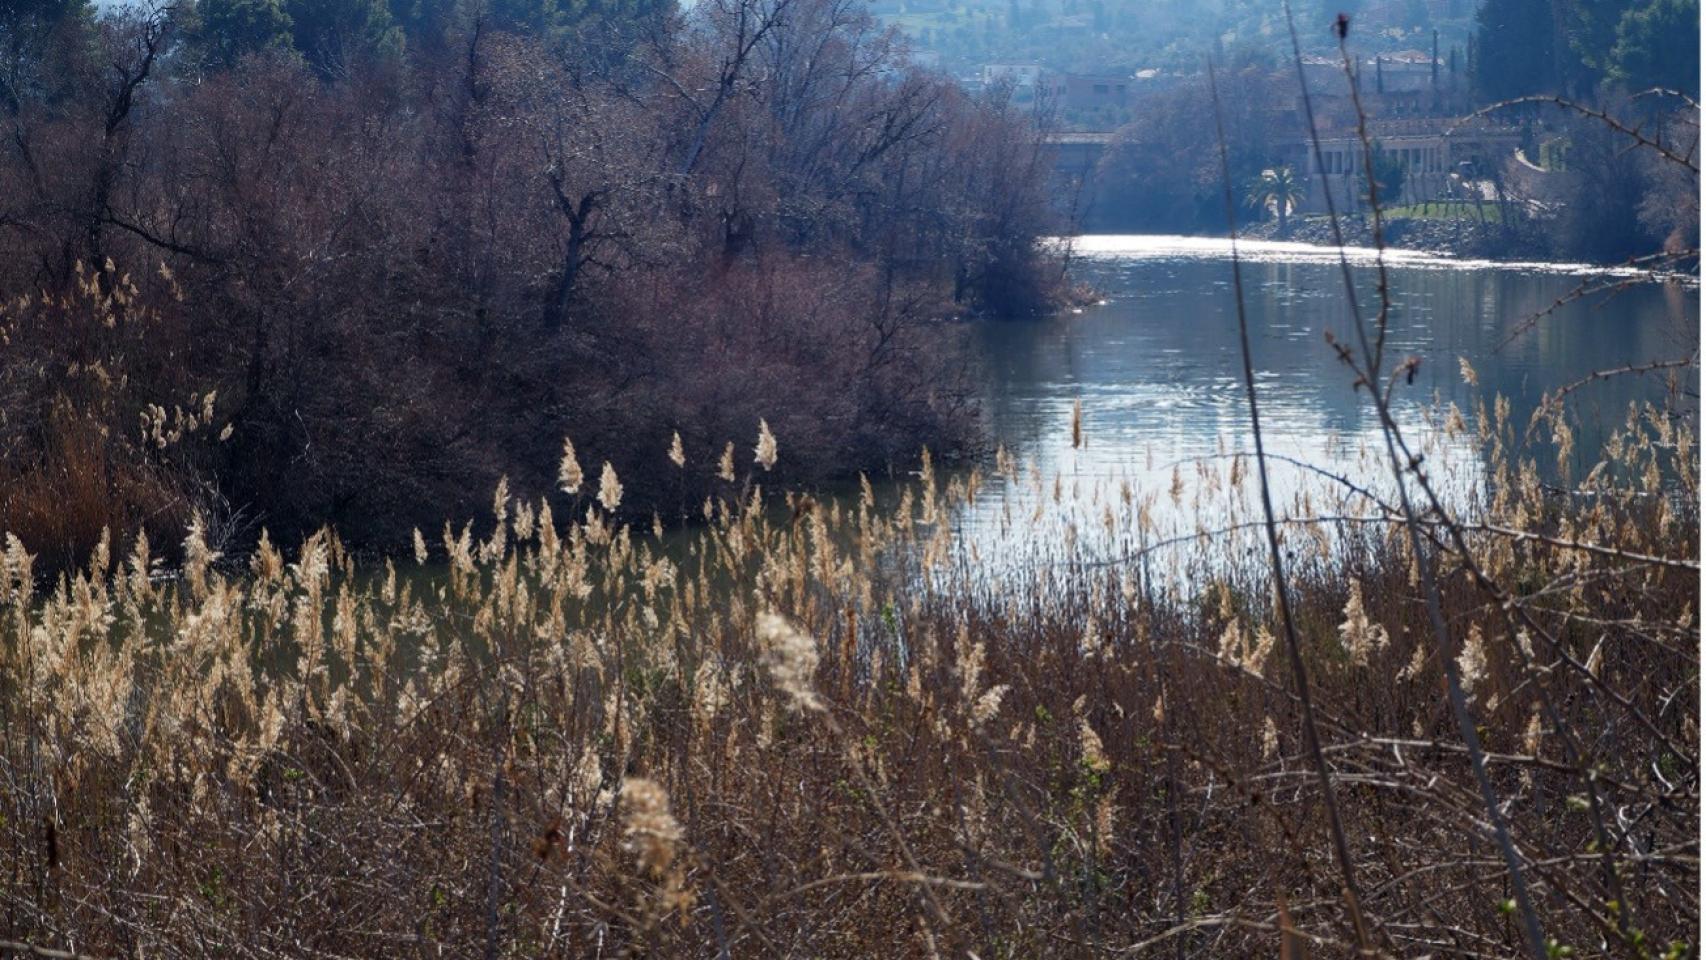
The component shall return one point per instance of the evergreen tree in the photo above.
(1590, 28)
(1658, 45)
(1514, 49)
(16, 14)
(534, 17)
(27, 32)
(228, 30)
(423, 21)
(1389, 176)
(333, 35)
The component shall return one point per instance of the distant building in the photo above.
(1414, 105)
(1440, 157)
(1409, 83)
(1023, 76)
(1324, 77)
(1408, 71)
(1088, 91)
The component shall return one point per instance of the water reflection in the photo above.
(1157, 367)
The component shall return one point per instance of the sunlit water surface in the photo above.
(1158, 370)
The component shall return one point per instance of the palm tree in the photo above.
(1277, 189)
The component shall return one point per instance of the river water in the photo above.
(1158, 371)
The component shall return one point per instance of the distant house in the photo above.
(1023, 76)
(1151, 80)
(1408, 83)
(1408, 71)
(1324, 77)
(1089, 91)
(1092, 91)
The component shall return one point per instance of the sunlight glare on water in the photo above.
(1157, 368)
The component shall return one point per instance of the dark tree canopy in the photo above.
(228, 30)
(14, 13)
(332, 34)
(1658, 45)
(416, 244)
(1515, 51)
(1573, 47)
(29, 29)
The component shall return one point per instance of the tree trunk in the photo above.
(579, 214)
(562, 294)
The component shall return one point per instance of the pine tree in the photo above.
(1590, 29)
(1514, 49)
(27, 31)
(333, 35)
(229, 30)
(1658, 45)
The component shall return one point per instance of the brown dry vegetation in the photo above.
(1069, 719)
(842, 729)
(410, 274)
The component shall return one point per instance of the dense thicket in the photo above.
(397, 251)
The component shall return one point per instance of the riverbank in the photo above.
(1454, 237)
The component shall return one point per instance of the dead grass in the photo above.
(845, 731)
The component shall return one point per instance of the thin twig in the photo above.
(1294, 649)
(1603, 117)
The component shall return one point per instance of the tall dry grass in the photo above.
(848, 727)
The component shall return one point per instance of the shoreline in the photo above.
(1457, 238)
(1305, 245)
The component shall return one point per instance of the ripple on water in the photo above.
(1159, 372)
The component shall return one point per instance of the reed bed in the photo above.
(852, 727)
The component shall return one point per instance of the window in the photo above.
(1101, 88)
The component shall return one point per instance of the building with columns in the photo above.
(1439, 156)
